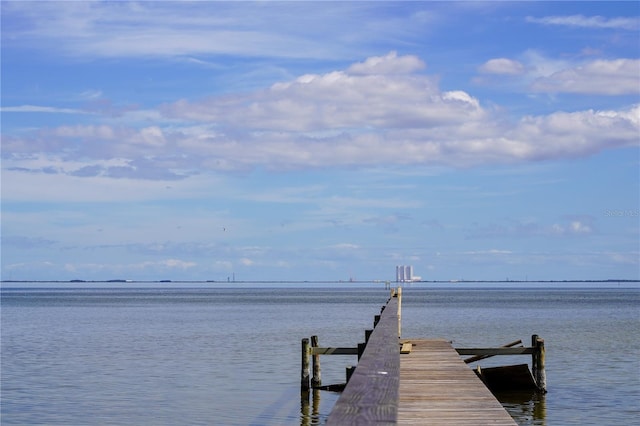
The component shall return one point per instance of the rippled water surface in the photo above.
(165, 354)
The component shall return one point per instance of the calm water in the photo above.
(166, 354)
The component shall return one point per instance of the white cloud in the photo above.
(502, 66)
(174, 263)
(246, 261)
(489, 252)
(575, 227)
(191, 29)
(571, 226)
(29, 182)
(581, 21)
(388, 64)
(331, 120)
(578, 227)
(463, 97)
(40, 108)
(540, 74)
(604, 77)
(337, 100)
(91, 94)
(345, 246)
(86, 132)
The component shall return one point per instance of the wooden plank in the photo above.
(333, 351)
(406, 347)
(371, 395)
(481, 357)
(494, 351)
(438, 388)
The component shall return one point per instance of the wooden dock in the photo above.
(371, 395)
(438, 388)
(413, 382)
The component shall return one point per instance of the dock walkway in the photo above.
(429, 385)
(438, 388)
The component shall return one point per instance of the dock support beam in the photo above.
(537, 363)
(304, 373)
(398, 294)
(316, 379)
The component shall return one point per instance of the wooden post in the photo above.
(367, 334)
(304, 373)
(537, 363)
(398, 294)
(316, 380)
(376, 319)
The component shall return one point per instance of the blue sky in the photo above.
(320, 140)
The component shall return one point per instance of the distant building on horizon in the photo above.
(404, 274)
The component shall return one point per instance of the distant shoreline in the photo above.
(119, 281)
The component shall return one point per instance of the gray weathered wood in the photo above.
(494, 351)
(537, 363)
(437, 388)
(397, 293)
(371, 396)
(316, 379)
(334, 351)
(304, 373)
(481, 357)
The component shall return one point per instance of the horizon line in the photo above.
(376, 281)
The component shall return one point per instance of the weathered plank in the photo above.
(371, 395)
(438, 388)
(333, 351)
(495, 351)
(406, 347)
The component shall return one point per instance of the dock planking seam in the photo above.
(438, 388)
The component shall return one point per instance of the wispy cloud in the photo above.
(535, 73)
(530, 228)
(42, 109)
(190, 29)
(581, 21)
(602, 77)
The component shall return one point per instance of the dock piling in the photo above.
(304, 374)
(316, 379)
(537, 363)
(398, 293)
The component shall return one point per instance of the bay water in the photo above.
(229, 353)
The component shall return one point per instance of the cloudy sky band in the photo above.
(288, 139)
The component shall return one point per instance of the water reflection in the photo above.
(309, 413)
(527, 408)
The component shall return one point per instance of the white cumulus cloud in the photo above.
(502, 66)
(388, 64)
(333, 119)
